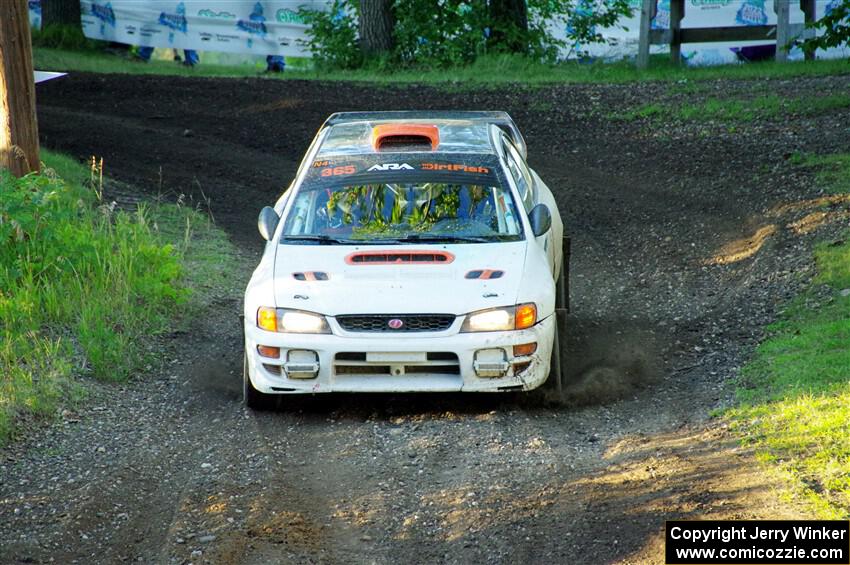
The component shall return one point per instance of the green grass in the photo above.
(735, 110)
(645, 112)
(486, 70)
(47, 59)
(84, 286)
(833, 171)
(795, 393)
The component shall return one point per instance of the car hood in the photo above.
(397, 279)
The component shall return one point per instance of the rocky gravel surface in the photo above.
(683, 248)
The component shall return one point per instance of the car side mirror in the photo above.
(267, 222)
(541, 219)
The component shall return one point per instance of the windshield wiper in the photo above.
(318, 239)
(434, 238)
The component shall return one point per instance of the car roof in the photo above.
(455, 136)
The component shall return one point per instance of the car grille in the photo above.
(386, 322)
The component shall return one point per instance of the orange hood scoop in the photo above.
(394, 136)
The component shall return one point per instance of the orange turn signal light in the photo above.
(267, 319)
(271, 352)
(526, 316)
(525, 349)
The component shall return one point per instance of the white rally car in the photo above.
(414, 251)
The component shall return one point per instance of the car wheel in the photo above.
(562, 287)
(555, 382)
(253, 398)
(554, 385)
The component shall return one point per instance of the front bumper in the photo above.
(446, 366)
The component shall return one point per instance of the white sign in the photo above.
(273, 27)
(699, 14)
(270, 27)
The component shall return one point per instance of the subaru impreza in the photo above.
(413, 252)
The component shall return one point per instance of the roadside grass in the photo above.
(84, 286)
(833, 171)
(736, 109)
(48, 59)
(486, 70)
(794, 395)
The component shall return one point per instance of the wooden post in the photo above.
(677, 12)
(808, 8)
(647, 12)
(18, 129)
(782, 9)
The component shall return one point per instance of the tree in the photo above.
(377, 23)
(60, 12)
(508, 26)
(836, 27)
(18, 129)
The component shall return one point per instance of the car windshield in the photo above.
(402, 211)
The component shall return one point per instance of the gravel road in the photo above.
(675, 269)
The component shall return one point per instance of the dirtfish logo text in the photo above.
(752, 13)
(255, 24)
(104, 13)
(175, 22)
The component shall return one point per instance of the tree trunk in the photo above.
(508, 25)
(18, 129)
(377, 22)
(61, 12)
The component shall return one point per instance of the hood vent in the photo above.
(405, 137)
(400, 258)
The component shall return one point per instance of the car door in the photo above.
(528, 191)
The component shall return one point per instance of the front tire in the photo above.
(554, 385)
(253, 398)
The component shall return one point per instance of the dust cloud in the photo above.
(604, 361)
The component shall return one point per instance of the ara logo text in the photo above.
(391, 167)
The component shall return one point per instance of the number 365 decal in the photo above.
(335, 171)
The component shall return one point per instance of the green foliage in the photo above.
(795, 393)
(333, 39)
(834, 28)
(81, 286)
(442, 33)
(585, 21)
(434, 33)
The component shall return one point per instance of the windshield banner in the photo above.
(270, 27)
(402, 168)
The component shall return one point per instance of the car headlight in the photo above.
(517, 317)
(286, 320)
